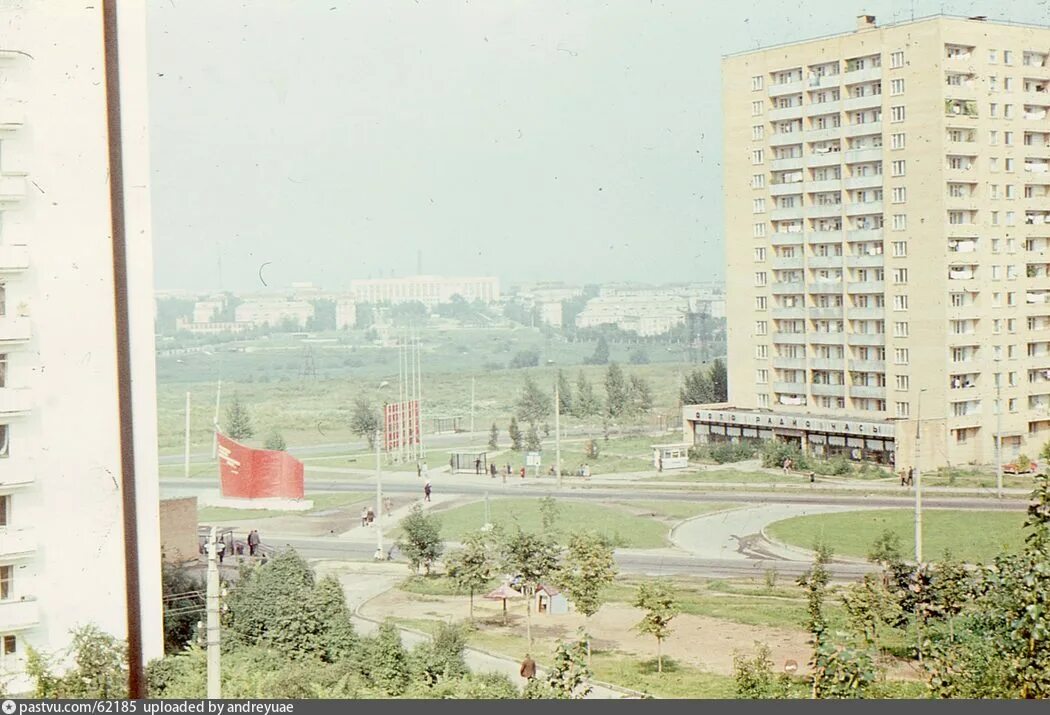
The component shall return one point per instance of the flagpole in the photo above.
(419, 394)
(215, 423)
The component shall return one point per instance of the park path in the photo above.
(736, 534)
(363, 582)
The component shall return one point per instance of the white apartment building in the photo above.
(61, 539)
(204, 310)
(428, 290)
(887, 200)
(345, 313)
(648, 310)
(273, 313)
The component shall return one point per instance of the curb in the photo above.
(808, 554)
(671, 533)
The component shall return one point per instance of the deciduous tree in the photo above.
(660, 606)
(421, 543)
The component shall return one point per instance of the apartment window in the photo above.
(993, 190)
(763, 400)
(1011, 324)
(5, 510)
(756, 83)
(993, 137)
(10, 645)
(896, 86)
(997, 300)
(1008, 84)
(1011, 299)
(897, 59)
(756, 109)
(997, 326)
(757, 132)
(900, 356)
(995, 218)
(758, 181)
(758, 206)
(7, 574)
(993, 57)
(997, 273)
(1009, 164)
(897, 141)
(1012, 404)
(993, 84)
(761, 327)
(5, 439)
(757, 156)
(897, 167)
(900, 275)
(900, 249)
(758, 230)
(760, 254)
(760, 302)
(993, 110)
(903, 409)
(1008, 57)
(900, 330)
(1011, 218)
(1008, 138)
(899, 193)
(761, 352)
(897, 114)
(902, 382)
(762, 376)
(900, 222)
(900, 302)
(760, 279)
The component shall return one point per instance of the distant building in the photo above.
(551, 313)
(428, 290)
(273, 313)
(204, 310)
(649, 310)
(211, 327)
(345, 313)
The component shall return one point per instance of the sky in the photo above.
(544, 140)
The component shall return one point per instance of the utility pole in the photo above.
(918, 480)
(557, 434)
(379, 503)
(186, 455)
(214, 682)
(472, 406)
(413, 436)
(998, 437)
(400, 399)
(215, 423)
(419, 395)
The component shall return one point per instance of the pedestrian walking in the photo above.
(911, 476)
(388, 505)
(660, 464)
(492, 470)
(521, 473)
(904, 477)
(371, 515)
(426, 491)
(364, 516)
(253, 542)
(509, 472)
(528, 668)
(477, 465)
(220, 549)
(419, 469)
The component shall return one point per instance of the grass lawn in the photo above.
(616, 522)
(727, 475)
(674, 509)
(970, 535)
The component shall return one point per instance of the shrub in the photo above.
(726, 452)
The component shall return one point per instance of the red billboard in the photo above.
(247, 473)
(397, 416)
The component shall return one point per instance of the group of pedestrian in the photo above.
(907, 476)
(368, 515)
(788, 464)
(227, 545)
(584, 471)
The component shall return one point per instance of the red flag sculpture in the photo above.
(247, 473)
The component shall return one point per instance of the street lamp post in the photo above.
(379, 502)
(998, 437)
(918, 480)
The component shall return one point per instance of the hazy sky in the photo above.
(532, 140)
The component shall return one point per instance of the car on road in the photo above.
(1021, 468)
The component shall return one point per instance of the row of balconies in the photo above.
(827, 287)
(849, 260)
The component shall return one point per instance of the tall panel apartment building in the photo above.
(61, 538)
(888, 241)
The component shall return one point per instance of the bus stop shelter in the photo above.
(470, 462)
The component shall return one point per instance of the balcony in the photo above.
(828, 390)
(19, 615)
(864, 182)
(869, 391)
(786, 363)
(786, 138)
(786, 188)
(870, 313)
(787, 263)
(868, 74)
(970, 419)
(786, 239)
(779, 114)
(786, 214)
(791, 162)
(864, 234)
(815, 81)
(822, 135)
(779, 90)
(867, 365)
(796, 313)
(824, 185)
(854, 104)
(14, 329)
(815, 109)
(866, 287)
(824, 287)
(792, 388)
(860, 156)
(865, 207)
(13, 258)
(827, 158)
(817, 337)
(833, 313)
(824, 237)
(877, 339)
(827, 363)
(864, 129)
(14, 401)
(789, 338)
(824, 262)
(788, 288)
(17, 543)
(865, 260)
(824, 210)
(12, 188)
